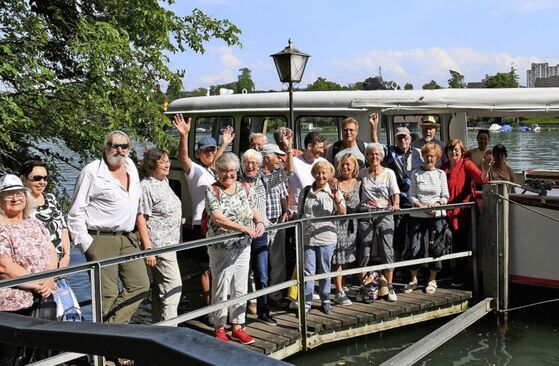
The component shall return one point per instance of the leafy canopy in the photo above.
(71, 71)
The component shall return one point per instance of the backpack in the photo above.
(360, 145)
(67, 306)
(205, 217)
(440, 241)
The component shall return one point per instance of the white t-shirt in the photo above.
(198, 179)
(299, 179)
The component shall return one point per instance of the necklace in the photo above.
(347, 194)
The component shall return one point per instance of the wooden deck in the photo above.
(345, 322)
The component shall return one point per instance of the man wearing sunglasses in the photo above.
(102, 221)
(200, 175)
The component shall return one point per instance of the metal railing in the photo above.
(94, 267)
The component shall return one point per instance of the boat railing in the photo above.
(94, 267)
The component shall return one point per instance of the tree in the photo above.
(456, 80)
(174, 90)
(502, 80)
(323, 84)
(244, 81)
(72, 71)
(354, 86)
(431, 85)
(375, 83)
(408, 86)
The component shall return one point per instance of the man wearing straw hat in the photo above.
(429, 132)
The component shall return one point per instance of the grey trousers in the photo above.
(166, 288)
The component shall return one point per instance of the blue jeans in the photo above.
(259, 265)
(317, 261)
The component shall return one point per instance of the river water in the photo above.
(530, 336)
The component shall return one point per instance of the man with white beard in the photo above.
(102, 220)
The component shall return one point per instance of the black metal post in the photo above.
(291, 124)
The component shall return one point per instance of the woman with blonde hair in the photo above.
(428, 189)
(322, 198)
(345, 251)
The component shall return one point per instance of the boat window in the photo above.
(212, 126)
(327, 126)
(263, 124)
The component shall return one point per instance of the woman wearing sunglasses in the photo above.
(35, 176)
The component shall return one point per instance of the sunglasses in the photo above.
(122, 146)
(37, 178)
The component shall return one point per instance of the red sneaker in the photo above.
(221, 335)
(242, 336)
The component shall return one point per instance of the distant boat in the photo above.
(536, 127)
(506, 128)
(495, 128)
(524, 128)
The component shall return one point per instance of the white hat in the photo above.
(402, 131)
(11, 182)
(269, 149)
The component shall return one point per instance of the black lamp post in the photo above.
(290, 63)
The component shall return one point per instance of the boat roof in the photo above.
(480, 102)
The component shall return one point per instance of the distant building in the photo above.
(549, 82)
(541, 71)
(477, 84)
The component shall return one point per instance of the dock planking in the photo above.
(283, 339)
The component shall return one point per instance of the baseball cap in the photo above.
(206, 142)
(11, 182)
(269, 149)
(402, 131)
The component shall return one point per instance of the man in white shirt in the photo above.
(102, 220)
(199, 177)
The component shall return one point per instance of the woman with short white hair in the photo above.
(231, 208)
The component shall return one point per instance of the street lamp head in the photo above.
(290, 64)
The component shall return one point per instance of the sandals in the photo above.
(410, 287)
(431, 287)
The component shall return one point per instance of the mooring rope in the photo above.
(528, 208)
(528, 306)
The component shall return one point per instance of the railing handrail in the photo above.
(95, 266)
(208, 241)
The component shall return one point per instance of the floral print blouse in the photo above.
(28, 245)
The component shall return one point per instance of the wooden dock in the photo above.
(345, 322)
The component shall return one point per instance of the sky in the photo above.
(410, 41)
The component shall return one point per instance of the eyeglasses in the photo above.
(122, 146)
(228, 172)
(210, 149)
(15, 195)
(164, 162)
(38, 178)
(254, 163)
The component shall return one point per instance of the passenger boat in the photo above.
(534, 249)
(536, 127)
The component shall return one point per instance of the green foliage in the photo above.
(408, 86)
(244, 81)
(431, 85)
(323, 84)
(456, 80)
(354, 86)
(502, 80)
(375, 83)
(174, 89)
(72, 71)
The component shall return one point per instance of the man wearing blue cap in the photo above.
(200, 175)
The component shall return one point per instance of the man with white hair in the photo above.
(102, 221)
(429, 127)
(257, 140)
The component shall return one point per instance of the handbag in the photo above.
(67, 306)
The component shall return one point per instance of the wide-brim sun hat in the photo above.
(10, 182)
(429, 121)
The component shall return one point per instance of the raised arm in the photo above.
(183, 128)
(373, 121)
(227, 137)
(286, 139)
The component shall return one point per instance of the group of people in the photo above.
(114, 213)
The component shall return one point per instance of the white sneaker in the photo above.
(342, 299)
(294, 305)
(392, 297)
(315, 296)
